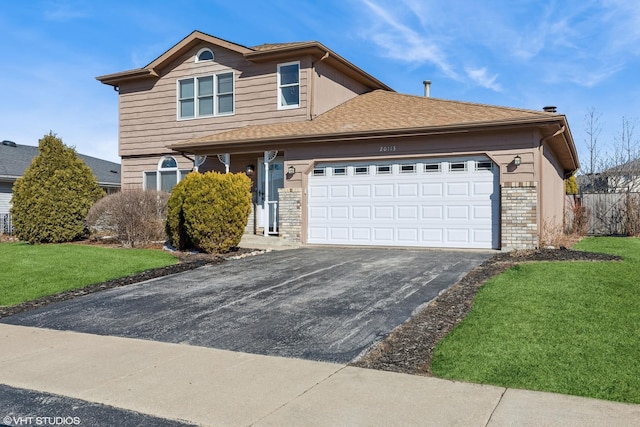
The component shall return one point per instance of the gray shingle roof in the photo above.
(14, 160)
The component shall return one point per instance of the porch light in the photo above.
(291, 170)
(517, 160)
(250, 170)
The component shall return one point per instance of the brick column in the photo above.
(519, 215)
(290, 214)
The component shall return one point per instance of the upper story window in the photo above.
(205, 96)
(204, 54)
(288, 85)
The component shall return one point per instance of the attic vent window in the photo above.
(204, 55)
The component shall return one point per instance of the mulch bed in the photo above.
(188, 261)
(409, 348)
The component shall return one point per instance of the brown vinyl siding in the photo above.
(333, 88)
(148, 117)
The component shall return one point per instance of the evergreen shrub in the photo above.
(209, 211)
(51, 200)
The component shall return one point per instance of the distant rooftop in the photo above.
(16, 158)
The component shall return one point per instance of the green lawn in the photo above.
(565, 327)
(28, 271)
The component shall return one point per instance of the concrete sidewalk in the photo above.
(215, 387)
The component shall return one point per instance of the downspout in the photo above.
(540, 157)
(311, 101)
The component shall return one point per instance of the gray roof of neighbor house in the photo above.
(16, 158)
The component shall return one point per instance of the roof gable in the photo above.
(257, 54)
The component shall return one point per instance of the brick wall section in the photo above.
(519, 213)
(290, 214)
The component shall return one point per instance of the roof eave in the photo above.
(198, 146)
(116, 78)
(317, 50)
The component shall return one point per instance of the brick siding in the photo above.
(519, 215)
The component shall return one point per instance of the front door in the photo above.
(267, 201)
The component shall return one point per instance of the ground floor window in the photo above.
(166, 176)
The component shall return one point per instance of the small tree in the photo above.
(50, 202)
(209, 211)
(571, 185)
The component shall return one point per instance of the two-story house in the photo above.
(338, 157)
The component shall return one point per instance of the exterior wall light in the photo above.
(291, 170)
(517, 160)
(250, 170)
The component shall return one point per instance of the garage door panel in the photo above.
(457, 189)
(460, 212)
(408, 213)
(318, 212)
(434, 206)
(432, 212)
(383, 190)
(383, 212)
(359, 191)
(483, 188)
(408, 190)
(339, 191)
(339, 212)
(319, 191)
(433, 236)
(482, 213)
(318, 233)
(361, 234)
(408, 235)
(432, 189)
(383, 234)
(458, 235)
(361, 212)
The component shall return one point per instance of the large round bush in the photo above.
(209, 211)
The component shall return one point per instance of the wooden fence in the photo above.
(605, 213)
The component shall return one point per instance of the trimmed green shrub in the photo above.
(50, 202)
(209, 211)
(134, 216)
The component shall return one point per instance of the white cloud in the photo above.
(482, 78)
(63, 11)
(403, 43)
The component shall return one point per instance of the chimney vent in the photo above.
(427, 88)
(550, 109)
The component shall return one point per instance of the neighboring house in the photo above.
(336, 156)
(624, 178)
(16, 158)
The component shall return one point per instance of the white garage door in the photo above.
(427, 203)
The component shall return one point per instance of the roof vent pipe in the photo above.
(550, 109)
(427, 88)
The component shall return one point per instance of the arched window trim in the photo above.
(165, 169)
(203, 50)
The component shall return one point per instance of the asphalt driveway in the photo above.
(327, 304)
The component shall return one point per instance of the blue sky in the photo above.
(575, 54)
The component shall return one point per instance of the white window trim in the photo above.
(292, 106)
(159, 169)
(216, 113)
(204, 49)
